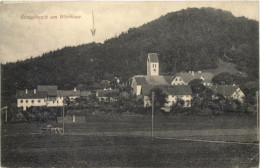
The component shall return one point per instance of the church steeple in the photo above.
(152, 64)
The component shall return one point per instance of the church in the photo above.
(142, 84)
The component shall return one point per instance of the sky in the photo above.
(22, 38)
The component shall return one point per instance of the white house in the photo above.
(178, 92)
(174, 93)
(28, 98)
(52, 95)
(184, 78)
(228, 91)
(108, 95)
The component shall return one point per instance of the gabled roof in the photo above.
(51, 90)
(21, 94)
(208, 76)
(187, 77)
(140, 81)
(68, 93)
(177, 90)
(145, 90)
(153, 57)
(85, 93)
(156, 80)
(169, 79)
(168, 89)
(106, 93)
(225, 90)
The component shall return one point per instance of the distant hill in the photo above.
(191, 39)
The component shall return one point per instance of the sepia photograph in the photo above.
(129, 84)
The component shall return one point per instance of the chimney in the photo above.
(75, 89)
(234, 84)
(199, 71)
(192, 73)
(34, 91)
(26, 91)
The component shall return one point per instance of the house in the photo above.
(105, 83)
(178, 92)
(183, 78)
(137, 84)
(53, 100)
(46, 95)
(107, 95)
(228, 91)
(28, 98)
(174, 93)
(71, 94)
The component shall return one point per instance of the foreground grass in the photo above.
(20, 148)
(123, 151)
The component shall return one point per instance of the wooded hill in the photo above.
(191, 39)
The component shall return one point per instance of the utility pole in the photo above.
(6, 115)
(5, 108)
(257, 114)
(152, 111)
(63, 118)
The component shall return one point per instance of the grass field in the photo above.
(113, 142)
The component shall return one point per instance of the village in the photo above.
(177, 91)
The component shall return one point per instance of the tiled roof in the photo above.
(67, 93)
(187, 77)
(146, 89)
(106, 93)
(153, 57)
(85, 93)
(51, 90)
(21, 94)
(225, 90)
(168, 89)
(208, 77)
(156, 80)
(177, 90)
(140, 81)
(169, 79)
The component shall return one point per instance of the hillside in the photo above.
(193, 39)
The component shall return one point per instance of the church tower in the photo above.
(152, 65)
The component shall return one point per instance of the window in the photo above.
(53, 101)
(39, 101)
(58, 102)
(26, 101)
(21, 101)
(32, 101)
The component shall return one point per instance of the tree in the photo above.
(223, 78)
(159, 97)
(197, 86)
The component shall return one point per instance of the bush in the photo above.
(205, 112)
(217, 112)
